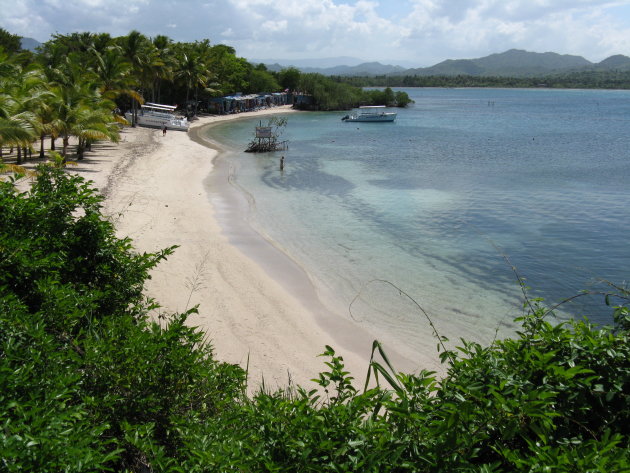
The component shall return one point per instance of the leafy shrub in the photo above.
(89, 383)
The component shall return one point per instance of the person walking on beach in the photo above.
(164, 130)
(282, 163)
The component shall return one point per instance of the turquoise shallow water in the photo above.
(435, 202)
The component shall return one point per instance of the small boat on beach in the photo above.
(371, 113)
(156, 115)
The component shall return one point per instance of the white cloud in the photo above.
(474, 28)
(422, 31)
(274, 26)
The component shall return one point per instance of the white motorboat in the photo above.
(371, 113)
(156, 115)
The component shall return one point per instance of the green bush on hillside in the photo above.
(89, 383)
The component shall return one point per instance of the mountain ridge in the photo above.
(510, 63)
(29, 44)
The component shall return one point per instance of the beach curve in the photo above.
(156, 193)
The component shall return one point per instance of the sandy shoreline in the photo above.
(257, 307)
(156, 193)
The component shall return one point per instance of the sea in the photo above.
(450, 219)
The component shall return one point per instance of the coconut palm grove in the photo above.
(89, 382)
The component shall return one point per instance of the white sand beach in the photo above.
(156, 195)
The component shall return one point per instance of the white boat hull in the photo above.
(152, 121)
(381, 117)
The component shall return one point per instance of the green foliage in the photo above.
(402, 99)
(386, 97)
(289, 78)
(89, 383)
(261, 81)
(328, 94)
(10, 43)
(592, 79)
(54, 236)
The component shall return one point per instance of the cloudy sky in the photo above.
(406, 32)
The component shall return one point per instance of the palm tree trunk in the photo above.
(41, 146)
(52, 142)
(66, 139)
(19, 155)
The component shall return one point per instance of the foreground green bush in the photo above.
(89, 383)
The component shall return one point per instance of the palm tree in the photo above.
(36, 99)
(114, 75)
(162, 69)
(193, 72)
(81, 110)
(16, 131)
(94, 124)
(133, 47)
(16, 120)
(152, 68)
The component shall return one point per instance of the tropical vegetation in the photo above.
(590, 79)
(90, 382)
(77, 85)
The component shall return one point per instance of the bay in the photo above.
(439, 213)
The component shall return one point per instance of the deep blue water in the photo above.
(465, 184)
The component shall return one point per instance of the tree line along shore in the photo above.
(78, 85)
(89, 382)
(72, 83)
(567, 80)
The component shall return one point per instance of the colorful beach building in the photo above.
(238, 103)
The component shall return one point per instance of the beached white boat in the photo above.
(371, 113)
(156, 115)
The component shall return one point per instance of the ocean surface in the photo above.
(439, 213)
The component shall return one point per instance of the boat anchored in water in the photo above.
(371, 113)
(156, 115)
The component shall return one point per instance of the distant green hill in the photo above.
(617, 62)
(364, 69)
(512, 63)
(30, 44)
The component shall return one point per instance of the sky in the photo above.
(412, 33)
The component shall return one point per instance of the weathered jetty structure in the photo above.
(266, 137)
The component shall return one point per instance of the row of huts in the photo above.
(238, 103)
(246, 103)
